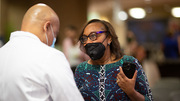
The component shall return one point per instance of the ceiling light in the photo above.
(137, 13)
(122, 15)
(176, 12)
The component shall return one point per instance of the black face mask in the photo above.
(95, 50)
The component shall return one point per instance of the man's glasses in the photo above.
(92, 36)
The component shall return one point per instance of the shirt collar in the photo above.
(23, 34)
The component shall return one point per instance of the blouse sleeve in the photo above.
(142, 85)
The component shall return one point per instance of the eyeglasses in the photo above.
(92, 36)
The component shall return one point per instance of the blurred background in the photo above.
(147, 29)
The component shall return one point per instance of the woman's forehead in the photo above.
(96, 26)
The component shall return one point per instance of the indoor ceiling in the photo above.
(152, 3)
(155, 8)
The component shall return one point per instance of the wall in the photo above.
(72, 12)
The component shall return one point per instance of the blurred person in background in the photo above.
(71, 47)
(170, 46)
(31, 70)
(132, 44)
(101, 78)
(151, 69)
(140, 53)
(143, 56)
(149, 65)
(171, 42)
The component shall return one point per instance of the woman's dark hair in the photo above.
(114, 46)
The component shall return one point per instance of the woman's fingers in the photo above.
(135, 75)
(121, 72)
(126, 84)
(121, 76)
(117, 80)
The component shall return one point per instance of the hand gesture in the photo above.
(126, 84)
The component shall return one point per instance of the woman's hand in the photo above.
(126, 84)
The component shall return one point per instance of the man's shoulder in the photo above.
(54, 52)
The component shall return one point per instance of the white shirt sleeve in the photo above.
(61, 83)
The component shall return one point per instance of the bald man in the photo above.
(30, 69)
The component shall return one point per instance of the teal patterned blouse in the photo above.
(89, 81)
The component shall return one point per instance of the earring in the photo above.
(109, 44)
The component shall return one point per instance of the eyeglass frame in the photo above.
(98, 32)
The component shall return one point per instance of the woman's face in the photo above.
(96, 27)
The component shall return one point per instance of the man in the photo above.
(30, 70)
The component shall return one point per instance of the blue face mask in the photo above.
(54, 39)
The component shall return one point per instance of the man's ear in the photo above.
(46, 26)
(45, 32)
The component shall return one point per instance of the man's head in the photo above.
(42, 21)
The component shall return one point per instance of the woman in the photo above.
(101, 77)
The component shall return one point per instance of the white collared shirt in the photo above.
(33, 71)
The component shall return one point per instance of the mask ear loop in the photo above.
(106, 36)
(54, 38)
(46, 38)
(52, 34)
(52, 30)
